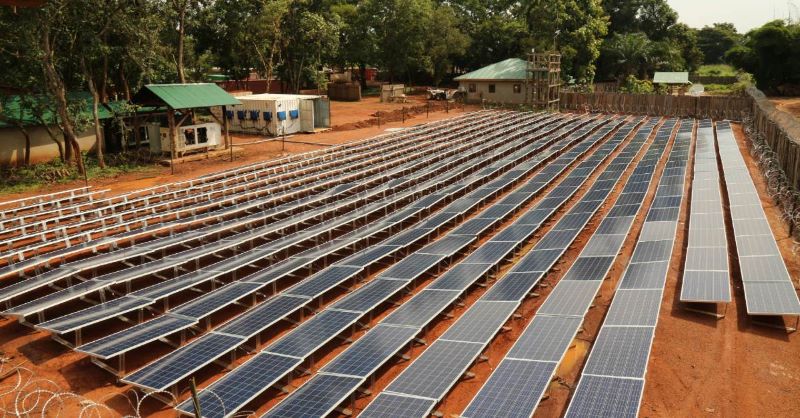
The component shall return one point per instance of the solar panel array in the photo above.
(396, 330)
(202, 306)
(544, 342)
(613, 378)
(407, 266)
(768, 288)
(706, 272)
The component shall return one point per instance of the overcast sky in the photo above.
(745, 14)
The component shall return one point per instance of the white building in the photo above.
(501, 82)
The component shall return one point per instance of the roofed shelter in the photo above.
(184, 99)
(678, 81)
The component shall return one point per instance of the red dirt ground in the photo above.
(789, 105)
(700, 366)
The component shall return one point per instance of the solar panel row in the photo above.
(613, 378)
(768, 288)
(427, 377)
(705, 274)
(320, 329)
(543, 343)
(378, 345)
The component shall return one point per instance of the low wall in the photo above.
(43, 149)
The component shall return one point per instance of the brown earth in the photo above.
(700, 366)
(788, 105)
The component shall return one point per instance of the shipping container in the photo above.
(278, 114)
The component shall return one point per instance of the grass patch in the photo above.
(717, 70)
(24, 179)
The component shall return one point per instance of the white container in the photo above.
(273, 114)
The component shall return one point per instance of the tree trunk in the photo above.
(181, 33)
(126, 88)
(27, 158)
(362, 68)
(56, 87)
(55, 139)
(98, 129)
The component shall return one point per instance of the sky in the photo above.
(744, 14)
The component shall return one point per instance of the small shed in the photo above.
(278, 114)
(181, 100)
(501, 82)
(677, 81)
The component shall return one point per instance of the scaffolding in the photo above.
(543, 80)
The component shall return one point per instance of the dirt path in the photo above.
(789, 105)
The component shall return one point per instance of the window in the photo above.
(472, 88)
(517, 88)
(491, 88)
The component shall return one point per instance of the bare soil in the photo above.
(789, 105)
(700, 365)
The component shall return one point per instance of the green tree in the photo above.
(772, 54)
(400, 28)
(446, 42)
(714, 41)
(575, 27)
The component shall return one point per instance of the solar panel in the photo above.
(422, 308)
(94, 314)
(757, 245)
(645, 275)
(569, 298)
(461, 276)
(372, 350)
(369, 256)
(490, 253)
(481, 322)
(168, 370)
(313, 333)
(619, 225)
(707, 258)
(408, 237)
(649, 251)
(634, 307)
(589, 268)
(620, 351)
(771, 298)
(546, 338)
(135, 336)
(367, 297)
(324, 280)
(600, 396)
(412, 266)
(514, 388)
(705, 286)
(763, 268)
(603, 245)
(235, 389)
(390, 405)
(557, 240)
(432, 374)
(497, 211)
(210, 302)
(263, 315)
(448, 245)
(623, 210)
(513, 286)
(316, 398)
(573, 221)
(537, 260)
(515, 233)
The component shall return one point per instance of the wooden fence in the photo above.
(716, 107)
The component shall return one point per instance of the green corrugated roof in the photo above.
(671, 78)
(510, 69)
(17, 108)
(184, 96)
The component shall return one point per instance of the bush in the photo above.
(636, 86)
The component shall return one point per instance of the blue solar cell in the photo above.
(313, 333)
(211, 302)
(371, 351)
(317, 397)
(367, 297)
(173, 367)
(263, 315)
(422, 308)
(491, 252)
(390, 405)
(514, 388)
(135, 336)
(324, 280)
(234, 390)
